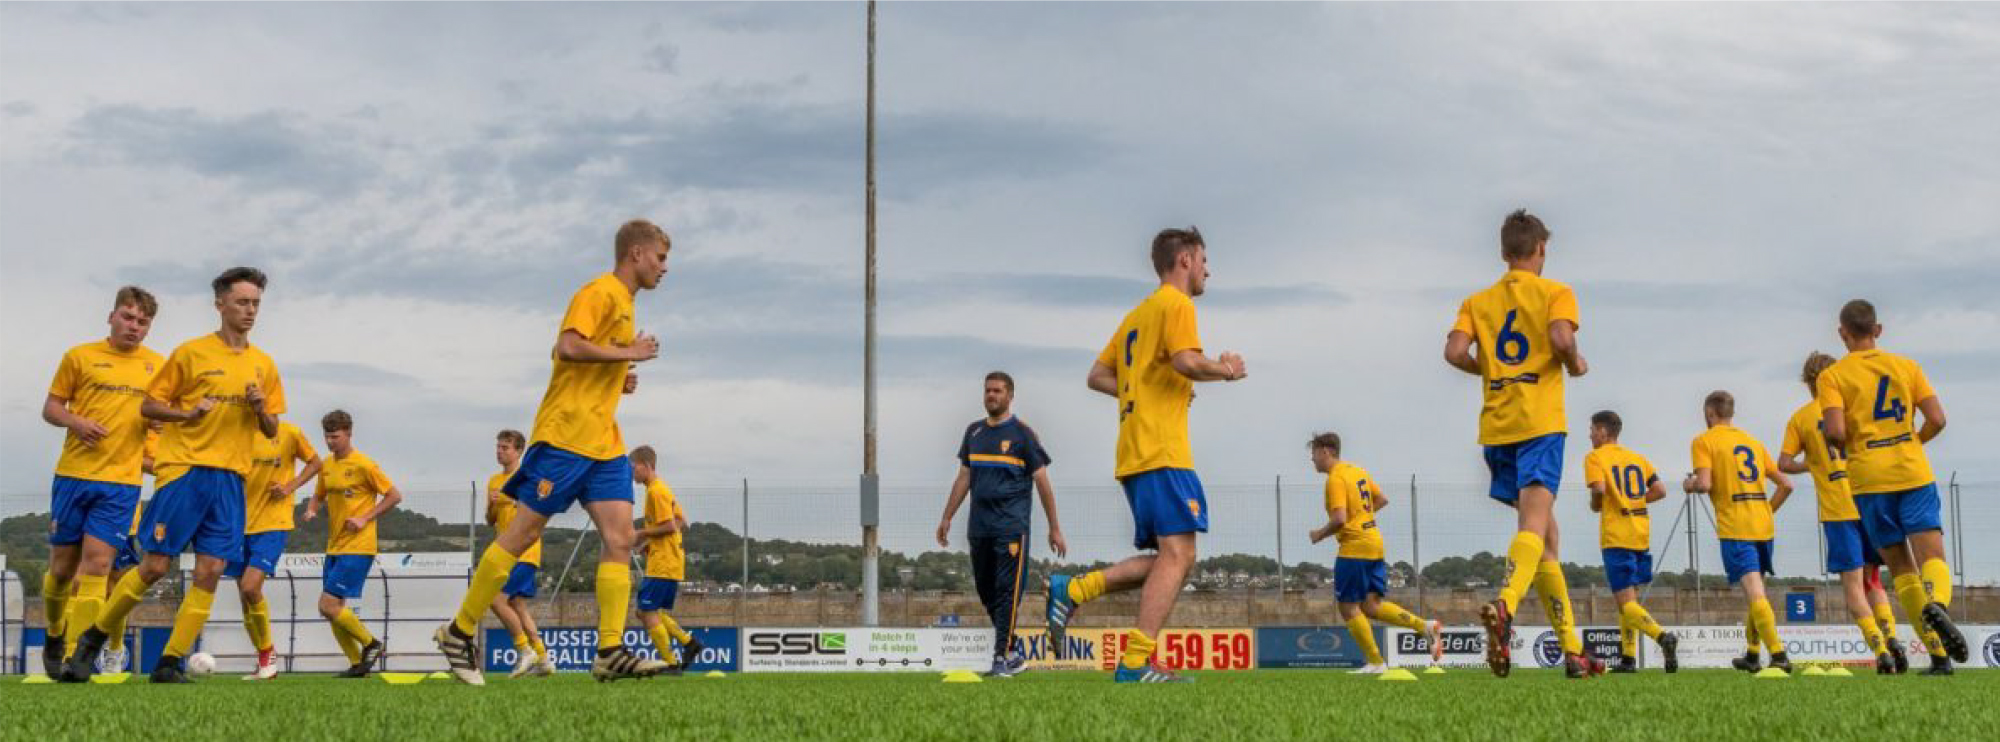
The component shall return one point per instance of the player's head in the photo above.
(1181, 252)
(1719, 407)
(132, 317)
(507, 447)
(643, 245)
(339, 429)
(644, 463)
(1524, 240)
(999, 393)
(1605, 427)
(1325, 451)
(1857, 323)
(239, 292)
(1815, 363)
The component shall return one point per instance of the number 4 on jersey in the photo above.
(1888, 407)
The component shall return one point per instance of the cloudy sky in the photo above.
(427, 184)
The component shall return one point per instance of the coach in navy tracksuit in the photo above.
(999, 460)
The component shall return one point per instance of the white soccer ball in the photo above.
(201, 664)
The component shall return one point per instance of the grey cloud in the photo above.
(271, 149)
(18, 109)
(337, 372)
(835, 359)
(663, 58)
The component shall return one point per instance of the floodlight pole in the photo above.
(871, 579)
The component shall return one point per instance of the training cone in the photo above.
(716, 674)
(962, 676)
(402, 678)
(1772, 673)
(111, 678)
(1840, 672)
(1433, 670)
(1396, 673)
(36, 680)
(1813, 670)
(439, 675)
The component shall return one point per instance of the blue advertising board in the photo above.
(1309, 646)
(573, 649)
(1801, 607)
(149, 640)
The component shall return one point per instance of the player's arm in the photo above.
(1597, 497)
(493, 508)
(317, 501)
(1103, 379)
(55, 411)
(960, 486)
(383, 504)
(1458, 352)
(1698, 483)
(267, 421)
(1197, 367)
(1046, 490)
(1335, 518)
(1562, 340)
(1790, 462)
(1933, 418)
(305, 475)
(1378, 497)
(1657, 492)
(573, 347)
(659, 529)
(153, 409)
(1784, 490)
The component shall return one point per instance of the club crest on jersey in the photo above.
(543, 488)
(1194, 507)
(1004, 445)
(1014, 548)
(159, 532)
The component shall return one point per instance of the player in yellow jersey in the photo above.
(1360, 573)
(1870, 399)
(666, 562)
(1848, 551)
(1150, 365)
(531, 656)
(113, 658)
(1523, 328)
(216, 393)
(95, 396)
(576, 455)
(355, 493)
(1622, 483)
(267, 521)
(1731, 468)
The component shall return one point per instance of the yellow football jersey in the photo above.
(1878, 391)
(273, 461)
(1804, 434)
(1737, 468)
(205, 367)
(665, 558)
(1349, 488)
(1626, 477)
(579, 410)
(1153, 398)
(351, 487)
(105, 386)
(504, 508)
(1509, 324)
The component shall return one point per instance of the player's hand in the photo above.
(645, 347)
(1317, 535)
(200, 410)
(1058, 544)
(944, 534)
(1233, 364)
(631, 382)
(255, 395)
(277, 490)
(88, 431)
(354, 525)
(311, 513)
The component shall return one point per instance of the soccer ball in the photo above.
(201, 664)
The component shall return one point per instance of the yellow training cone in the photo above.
(962, 676)
(1772, 673)
(1813, 670)
(716, 674)
(1840, 672)
(439, 675)
(36, 680)
(111, 678)
(402, 678)
(1396, 673)
(1434, 670)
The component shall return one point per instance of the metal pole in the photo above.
(743, 593)
(1416, 550)
(472, 527)
(870, 482)
(1278, 496)
(1957, 533)
(1694, 560)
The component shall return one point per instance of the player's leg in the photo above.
(88, 586)
(504, 610)
(1883, 516)
(1066, 593)
(606, 494)
(1355, 616)
(986, 584)
(1885, 615)
(256, 617)
(70, 502)
(1376, 604)
(526, 614)
(1170, 506)
(1918, 513)
(1157, 597)
(330, 608)
(1766, 620)
(1010, 556)
(1553, 586)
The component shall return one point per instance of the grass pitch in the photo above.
(1711, 705)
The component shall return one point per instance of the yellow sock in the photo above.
(257, 623)
(1138, 649)
(535, 640)
(674, 628)
(188, 621)
(1886, 618)
(1641, 621)
(1873, 634)
(347, 622)
(1910, 591)
(1628, 639)
(1396, 615)
(1767, 626)
(83, 608)
(1752, 646)
(1937, 579)
(486, 583)
(659, 633)
(1522, 555)
(55, 604)
(1364, 635)
(1554, 589)
(1086, 588)
(348, 646)
(521, 643)
(614, 597)
(124, 598)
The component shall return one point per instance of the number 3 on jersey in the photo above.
(1886, 406)
(1125, 378)
(1748, 472)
